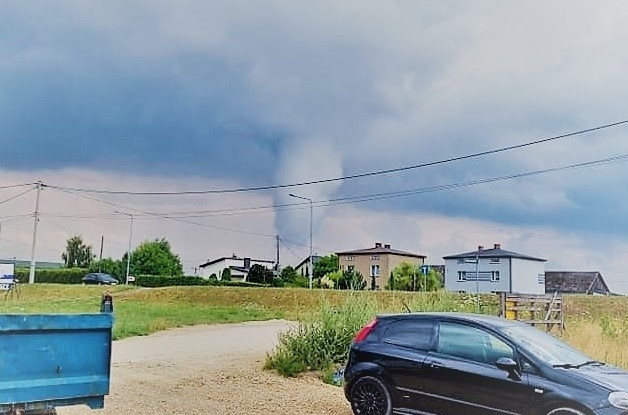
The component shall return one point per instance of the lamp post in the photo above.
(477, 278)
(311, 216)
(128, 255)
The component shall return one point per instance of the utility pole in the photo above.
(102, 242)
(477, 278)
(31, 274)
(277, 262)
(128, 256)
(311, 221)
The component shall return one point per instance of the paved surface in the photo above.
(210, 370)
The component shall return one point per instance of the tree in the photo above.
(408, 277)
(155, 258)
(325, 265)
(226, 275)
(289, 274)
(109, 266)
(354, 280)
(77, 254)
(260, 274)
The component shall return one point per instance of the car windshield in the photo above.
(546, 347)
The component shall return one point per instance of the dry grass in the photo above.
(595, 325)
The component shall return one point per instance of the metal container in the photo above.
(50, 360)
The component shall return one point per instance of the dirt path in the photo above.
(210, 370)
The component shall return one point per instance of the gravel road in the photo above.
(210, 370)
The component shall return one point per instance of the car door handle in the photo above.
(434, 364)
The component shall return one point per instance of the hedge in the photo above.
(166, 281)
(55, 275)
(154, 281)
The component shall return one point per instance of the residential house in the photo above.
(576, 282)
(377, 262)
(303, 268)
(238, 266)
(494, 270)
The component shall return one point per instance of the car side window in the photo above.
(416, 334)
(471, 343)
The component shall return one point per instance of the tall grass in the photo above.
(318, 343)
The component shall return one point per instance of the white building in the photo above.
(303, 268)
(494, 270)
(239, 267)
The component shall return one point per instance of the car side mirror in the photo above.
(510, 366)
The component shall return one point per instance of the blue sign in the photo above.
(425, 269)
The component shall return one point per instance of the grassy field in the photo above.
(596, 325)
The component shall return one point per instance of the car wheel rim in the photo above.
(369, 399)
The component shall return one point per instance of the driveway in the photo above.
(210, 370)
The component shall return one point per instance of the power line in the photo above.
(348, 177)
(119, 206)
(16, 196)
(388, 195)
(13, 186)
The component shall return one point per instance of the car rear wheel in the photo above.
(370, 396)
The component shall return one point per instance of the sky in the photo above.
(205, 95)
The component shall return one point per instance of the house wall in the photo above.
(528, 277)
(386, 262)
(487, 282)
(219, 266)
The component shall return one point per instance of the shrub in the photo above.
(322, 342)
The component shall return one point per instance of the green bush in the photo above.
(323, 342)
(53, 276)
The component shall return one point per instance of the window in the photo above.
(494, 261)
(492, 276)
(460, 260)
(374, 257)
(374, 270)
(416, 334)
(471, 343)
(350, 258)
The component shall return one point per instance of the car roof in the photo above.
(482, 319)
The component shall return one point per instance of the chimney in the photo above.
(497, 246)
(387, 246)
(378, 244)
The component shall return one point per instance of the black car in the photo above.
(99, 278)
(468, 364)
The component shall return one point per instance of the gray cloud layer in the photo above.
(280, 91)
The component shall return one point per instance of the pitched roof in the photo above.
(315, 259)
(494, 253)
(381, 251)
(575, 282)
(208, 263)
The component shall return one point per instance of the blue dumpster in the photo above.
(51, 360)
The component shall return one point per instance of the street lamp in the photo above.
(128, 255)
(311, 216)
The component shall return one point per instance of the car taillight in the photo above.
(365, 331)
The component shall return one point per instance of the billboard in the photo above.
(7, 276)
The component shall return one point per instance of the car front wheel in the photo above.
(370, 396)
(565, 411)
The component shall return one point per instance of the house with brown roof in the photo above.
(576, 282)
(378, 262)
